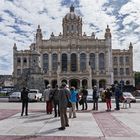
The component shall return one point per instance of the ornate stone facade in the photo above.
(73, 57)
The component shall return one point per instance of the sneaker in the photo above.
(61, 128)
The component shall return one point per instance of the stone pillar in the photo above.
(78, 64)
(87, 63)
(90, 77)
(69, 62)
(50, 63)
(97, 63)
(21, 58)
(80, 83)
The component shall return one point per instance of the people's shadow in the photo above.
(51, 131)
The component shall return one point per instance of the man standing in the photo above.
(55, 98)
(63, 101)
(84, 98)
(24, 99)
(117, 97)
(95, 98)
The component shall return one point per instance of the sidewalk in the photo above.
(89, 125)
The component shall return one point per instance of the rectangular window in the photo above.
(127, 71)
(127, 60)
(18, 71)
(121, 60)
(121, 71)
(115, 60)
(115, 71)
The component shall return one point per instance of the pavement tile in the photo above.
(111, 127)
(5, 113)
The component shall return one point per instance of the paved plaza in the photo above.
(89, 125)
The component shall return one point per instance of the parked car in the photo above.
(128, 96)
(89, 97)
(34, 95)
(15, 96)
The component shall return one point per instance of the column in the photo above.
(80, 83)
(97, 62)
(21, 67)
(50, 63)
(69, 62)
(87, 63)
(78, 64)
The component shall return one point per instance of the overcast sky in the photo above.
(19, 20)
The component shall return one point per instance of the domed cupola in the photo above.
(72, 24)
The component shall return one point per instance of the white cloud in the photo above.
(49, 14)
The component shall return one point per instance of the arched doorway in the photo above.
(46, 82)
(54, 83)
(84, 83)
(74, 82)
(102, 83)
(94, 82)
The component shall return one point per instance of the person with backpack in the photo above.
(47, 94)
(73, 100)
(55, 99)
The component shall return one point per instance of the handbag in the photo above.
(81, 101)
(69, 104)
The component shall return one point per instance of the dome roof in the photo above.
(71, 15)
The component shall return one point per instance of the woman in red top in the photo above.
(108, 95)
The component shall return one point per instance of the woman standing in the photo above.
(108, 95)
(73, 100)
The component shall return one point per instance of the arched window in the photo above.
(54, 61)
(67, 28)
(115, 60)
(121, 60)
(18, 60)
(45, 62)
(64, 62)
(101, 61)
(73, 62)
(92, 61)
(82, 61)
(24, 61)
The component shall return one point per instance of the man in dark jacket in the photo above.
(117, 97)
(63, 101)
(84, 98)
(95, 98)
(24, 99)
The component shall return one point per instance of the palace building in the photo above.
(72, 57)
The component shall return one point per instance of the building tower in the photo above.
(72, 24)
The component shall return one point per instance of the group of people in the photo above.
(59, 97)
